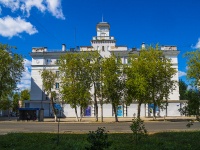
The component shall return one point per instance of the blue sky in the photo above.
(34, 23)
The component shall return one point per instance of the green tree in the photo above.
(193, 74)
(5, 104)
(193, 104)
(137, 81)
(25, 95)
(95, 76)
(75, 80)
(11, 69)
(48, 80)
(160, 73)
(149, 78)
(182, 89)
(15, 103)
(112, 83)
(193, 62)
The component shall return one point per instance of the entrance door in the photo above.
(88, 111)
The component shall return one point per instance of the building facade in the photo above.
(42, 58)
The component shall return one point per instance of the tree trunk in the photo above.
(9, 113)
(95, 103)
(197, 117)
(197, 114)
(101, 112)
(115, 112)
(76, 114)
(53, 109)
(139, 108)
(55, 118)
(154, 112)
(81, 114)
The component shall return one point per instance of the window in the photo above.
(27, 105)
(125, 60)
(48, 61)
(103, 48)
(47, 98)
(58, 61)
(57, 74)
(57, 85)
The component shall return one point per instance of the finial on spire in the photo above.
(102, 17)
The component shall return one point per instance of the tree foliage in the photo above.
(160, 74)
(11, 69)
(193, 103)
(75, 80)
(48, 80)
(112, 83)
(137, 80)
(15, 103)
(193, 74)
(182, 90)
(25, 95)
(193, 62)
(149, 77)
(5, 103)
(95, 77)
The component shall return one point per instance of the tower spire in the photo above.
(102, 17)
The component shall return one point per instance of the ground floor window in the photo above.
(150, 110)
(119, 111)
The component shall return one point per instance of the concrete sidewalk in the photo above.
(122, 119)
(108, 119)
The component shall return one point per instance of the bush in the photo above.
(98, 139)
(138, 129)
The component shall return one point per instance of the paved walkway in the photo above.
(108, 119)
(121, 119)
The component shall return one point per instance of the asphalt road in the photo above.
(14, 126)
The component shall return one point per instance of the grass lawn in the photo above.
(124, 141)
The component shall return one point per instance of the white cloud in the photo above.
(186, 67)
(197, 44)
(26, 76)
(181, 73)
(10, 27)
(12, 4)
(27, 63)
(27, 5)
(54, 6)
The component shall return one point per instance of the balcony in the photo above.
(103, 38)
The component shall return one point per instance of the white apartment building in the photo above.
(43, 58)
